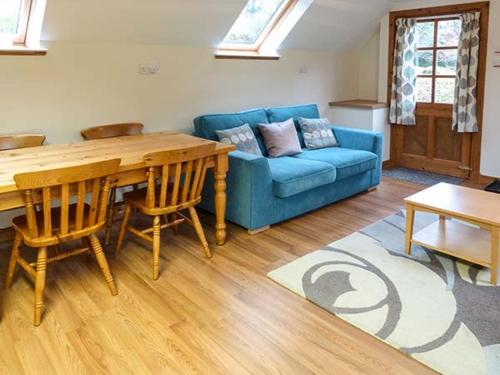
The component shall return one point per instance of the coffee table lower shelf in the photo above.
(456, 239)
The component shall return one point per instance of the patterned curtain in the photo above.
(404, 78)
(465, 106)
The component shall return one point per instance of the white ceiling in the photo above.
(328, 24)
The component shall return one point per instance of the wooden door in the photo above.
(431, 144)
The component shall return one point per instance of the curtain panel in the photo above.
(465, 106)
(404, 78)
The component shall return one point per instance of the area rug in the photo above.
(442, 312)
(420, 177)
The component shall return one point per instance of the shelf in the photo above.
(359, 103)
(456, 239)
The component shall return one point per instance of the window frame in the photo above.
(275, 21)
(435, 49)
(19, 39)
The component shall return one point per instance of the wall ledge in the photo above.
(359, 103)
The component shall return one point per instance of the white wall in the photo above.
(490, 157)
(368, 68)
(79, 85)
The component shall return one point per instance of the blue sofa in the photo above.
(263, 191)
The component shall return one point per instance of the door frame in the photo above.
(483, 7)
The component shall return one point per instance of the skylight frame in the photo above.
(19, 39)
(278, 17)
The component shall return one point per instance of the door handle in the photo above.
(464, 168)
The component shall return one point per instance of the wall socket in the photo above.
(149, 68)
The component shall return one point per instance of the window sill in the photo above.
(245, 55)
(23, 51)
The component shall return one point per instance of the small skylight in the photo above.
(261, 27)
(20, 26)
(255, 18)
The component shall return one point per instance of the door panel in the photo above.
(431, 145)
(448, 143)
(415, 139)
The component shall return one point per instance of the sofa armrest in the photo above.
(359, 139)
(363, 140)
(249, 189)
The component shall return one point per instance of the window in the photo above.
(437, 43)
(261, 27)
(254, 22)
(14, 17)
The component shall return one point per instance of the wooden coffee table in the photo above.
(472, 244)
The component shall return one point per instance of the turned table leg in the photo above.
(220, 171)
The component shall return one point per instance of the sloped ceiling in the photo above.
(332, 25)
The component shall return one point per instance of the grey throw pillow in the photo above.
(280, 138)
(242, 137)
(317, 133)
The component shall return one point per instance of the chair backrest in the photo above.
(113, 130)
(11, 142)
(64, 184)
(181, 173)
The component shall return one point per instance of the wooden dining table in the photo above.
(129, 149)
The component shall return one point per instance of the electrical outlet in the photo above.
(149, 68)
(496, 58)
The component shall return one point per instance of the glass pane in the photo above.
(252, 21)
(445, 90)
(446, 62)
(449, 33)
(424, 90)
(9, 16)
(425, 34)
(424, 62)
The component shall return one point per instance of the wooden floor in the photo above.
(202, 316)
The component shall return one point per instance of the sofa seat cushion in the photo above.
(293, 176)
(347, 162)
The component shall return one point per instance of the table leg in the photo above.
(494, 254)
(220, 171)
(410, 218)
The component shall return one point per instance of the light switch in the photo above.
(149, 68)
(496, 60)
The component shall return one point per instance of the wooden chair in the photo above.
(11, 142)
(52, 226)
(111, 131)
(181, 176)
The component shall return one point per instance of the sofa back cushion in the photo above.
(281, 114)
(207, 125)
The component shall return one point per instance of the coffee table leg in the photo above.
(410, 218)
(494, 254)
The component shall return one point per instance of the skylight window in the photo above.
(14, 19)
(261, 27)
(21, 26)
(256, 17)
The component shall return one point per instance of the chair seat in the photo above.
(137, 199)
(292, 176)
(347, 162)
(20, 224)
